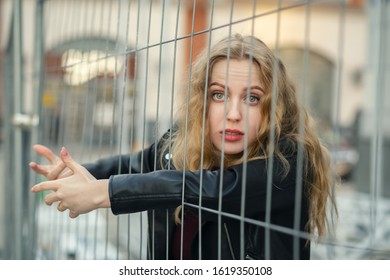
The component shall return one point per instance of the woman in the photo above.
(254, 163)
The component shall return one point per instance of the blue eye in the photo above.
(253, 100)
(218, 96)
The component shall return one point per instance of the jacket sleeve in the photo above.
(140, 162)
(219, 189)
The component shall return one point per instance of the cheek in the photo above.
(255, 119)
(213, 118)
(210, 125)
(254, 124)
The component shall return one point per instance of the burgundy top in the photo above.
(190, 229)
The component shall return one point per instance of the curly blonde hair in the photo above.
(289, 115)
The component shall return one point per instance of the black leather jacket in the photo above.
(160, 191)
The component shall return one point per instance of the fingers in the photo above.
(49, 171)
(54, 196)
(65, 173)
(46, 152)
(56, 171)
(51, 198)
(40, 169)
(61, 207)
(45, 186)
(73, 214)
(57, 168)
(61, 189)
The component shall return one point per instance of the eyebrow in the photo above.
(222, 85)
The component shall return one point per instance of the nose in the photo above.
(233, 110)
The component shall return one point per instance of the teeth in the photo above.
(231, 133)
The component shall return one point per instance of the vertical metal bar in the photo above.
(18, 141)
(171, 114)
(275, 89)
(125, 124)
(301, 132)
(98, 147)
(7, 142)
(336, 97)
(156, 126)
(379, 48)
(86, 124)
(138, 101)
(134, 118)
(115, 102)
(144, 100)
(245, 156)
(91, 101)
(122, 51)
(186, 124)
(110, 13)
(204, 123)
(223, 135)
(123, 119)
(38, 75)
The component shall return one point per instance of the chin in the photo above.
(233, 151)
(229, 150)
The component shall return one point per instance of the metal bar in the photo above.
(204, 122)
(245, 156)
(156, 126)
(38, 74)
(171, 114)
(186, 123)
(145, 77)
(275, 78)
(134, 118)
(18, 141)
(301, 131)
(222, 166)
(377, 137)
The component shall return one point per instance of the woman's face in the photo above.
(239, 118)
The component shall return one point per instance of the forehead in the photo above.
(242, 70)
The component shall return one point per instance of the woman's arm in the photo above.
(163, 188)
(140, 162)
(127, 193)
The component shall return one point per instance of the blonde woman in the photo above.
(255, 156)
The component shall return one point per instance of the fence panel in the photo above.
(105, 78)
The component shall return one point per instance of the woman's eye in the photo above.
(218, 96)
(253, 100)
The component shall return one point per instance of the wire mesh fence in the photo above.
(105, 78)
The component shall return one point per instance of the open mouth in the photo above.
(233, 134)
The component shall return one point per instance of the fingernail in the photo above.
(64, 151)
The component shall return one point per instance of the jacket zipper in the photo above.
(229, 241)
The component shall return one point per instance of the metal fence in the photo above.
(101, 78)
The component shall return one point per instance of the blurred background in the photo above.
(103, 76)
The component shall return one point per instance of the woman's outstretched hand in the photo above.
(79, 192)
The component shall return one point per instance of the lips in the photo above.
(232, 135)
